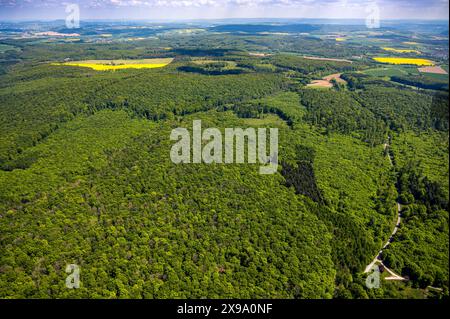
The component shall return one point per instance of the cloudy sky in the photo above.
(212, 9)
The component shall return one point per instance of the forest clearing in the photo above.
(432, 69)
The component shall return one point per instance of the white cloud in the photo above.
(238, 8)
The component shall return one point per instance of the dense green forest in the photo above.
(86, 176)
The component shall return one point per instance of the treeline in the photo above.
(255, 109)
(421, 82)
(352, 249)
(54, 51)
(420, 250)
(257, 66)
(308, 66)
(161, 96)
(356, 235)
(405, 109)
(301, 176)
(284, 104)
(413, 187)
(339, 112)
(355, 81)
(210, 69)
(440, 112)
(32, 110)
(140, 226)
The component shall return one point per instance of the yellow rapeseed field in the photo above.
(341, 39)
(108, 65)
(401, 50)
(404, 61)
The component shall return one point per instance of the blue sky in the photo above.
(213, 9)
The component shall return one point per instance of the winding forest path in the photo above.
(377, 259)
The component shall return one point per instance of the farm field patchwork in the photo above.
(87, 175)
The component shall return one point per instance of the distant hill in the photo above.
(255, 28)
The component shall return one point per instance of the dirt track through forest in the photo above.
(377, 259)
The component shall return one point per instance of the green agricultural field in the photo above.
(5, 47)
(268, 120)
(228, 64)
(389, 71)
(437, 77)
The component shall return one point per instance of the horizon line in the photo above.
(215, 19)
